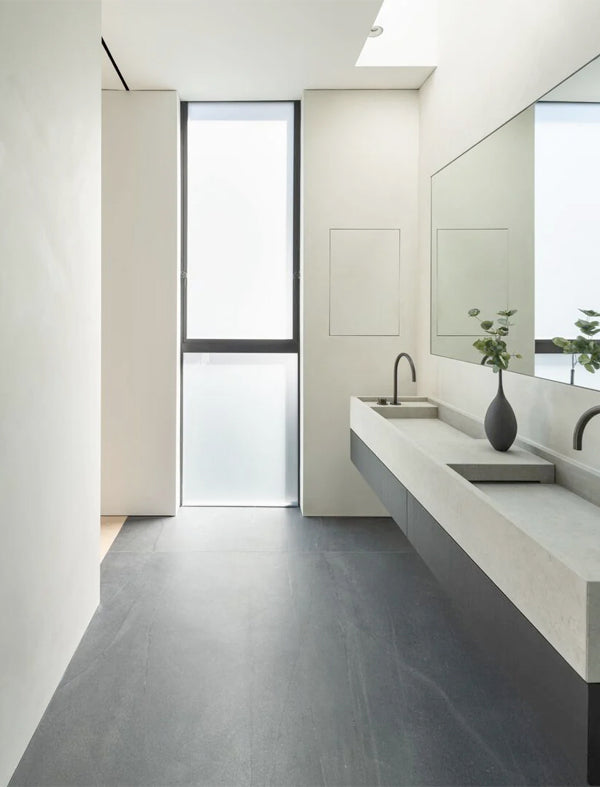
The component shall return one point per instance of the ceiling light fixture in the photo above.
(376, 31)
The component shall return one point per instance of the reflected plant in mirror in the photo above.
(493, 347)
(584, 349)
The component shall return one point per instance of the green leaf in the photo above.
(493, 347)
(587, 327)
(590, 312)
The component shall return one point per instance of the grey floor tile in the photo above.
(139, 534)
(275, 530)
(348, 534)
(228, 529)
(294, 668)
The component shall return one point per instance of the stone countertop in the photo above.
(473, 458)
(560, 521)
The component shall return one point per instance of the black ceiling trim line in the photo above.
(115, 66)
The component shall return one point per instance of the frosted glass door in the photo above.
(240, 304)
(241, 429)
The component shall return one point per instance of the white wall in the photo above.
(359, 172)
(50, 350)
(140, 302)
(502, 56)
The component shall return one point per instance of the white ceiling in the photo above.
(245, 49)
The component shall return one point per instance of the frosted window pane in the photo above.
(240, 438)
(240, 221)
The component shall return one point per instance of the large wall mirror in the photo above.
(515, 224)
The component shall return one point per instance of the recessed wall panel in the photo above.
(364, 267)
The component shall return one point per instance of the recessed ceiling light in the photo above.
(376, 31)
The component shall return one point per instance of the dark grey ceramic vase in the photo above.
(500, 423)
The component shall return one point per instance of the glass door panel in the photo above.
(240, 304)
(241, 429)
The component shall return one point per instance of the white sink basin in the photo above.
(407, 407)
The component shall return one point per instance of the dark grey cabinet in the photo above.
(385, 485)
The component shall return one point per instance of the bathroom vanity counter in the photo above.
(564, 530)
(564, 524)
(537, 542)
(473, 458)
(518, 555)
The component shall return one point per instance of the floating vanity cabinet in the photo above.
(497, 627)
(384, 483)
(519, 559)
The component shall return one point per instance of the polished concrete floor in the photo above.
(256, 647)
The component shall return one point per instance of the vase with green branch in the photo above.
(584, 349)
(494, 346)
(500, 422)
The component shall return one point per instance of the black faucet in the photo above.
(414, 374)
(581, 424)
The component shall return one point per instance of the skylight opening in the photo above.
(408, 37)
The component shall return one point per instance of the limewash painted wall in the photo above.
(50, 350)
(140, 302)
(502, 56)
(359, 247)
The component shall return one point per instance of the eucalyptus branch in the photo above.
(493, 347)
(584, 347)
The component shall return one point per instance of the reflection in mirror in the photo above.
(515, 225)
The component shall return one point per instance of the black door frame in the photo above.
(290, 346)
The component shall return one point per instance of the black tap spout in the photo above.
(412, 368)
(581, 424)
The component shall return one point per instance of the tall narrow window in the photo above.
(240, 304)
